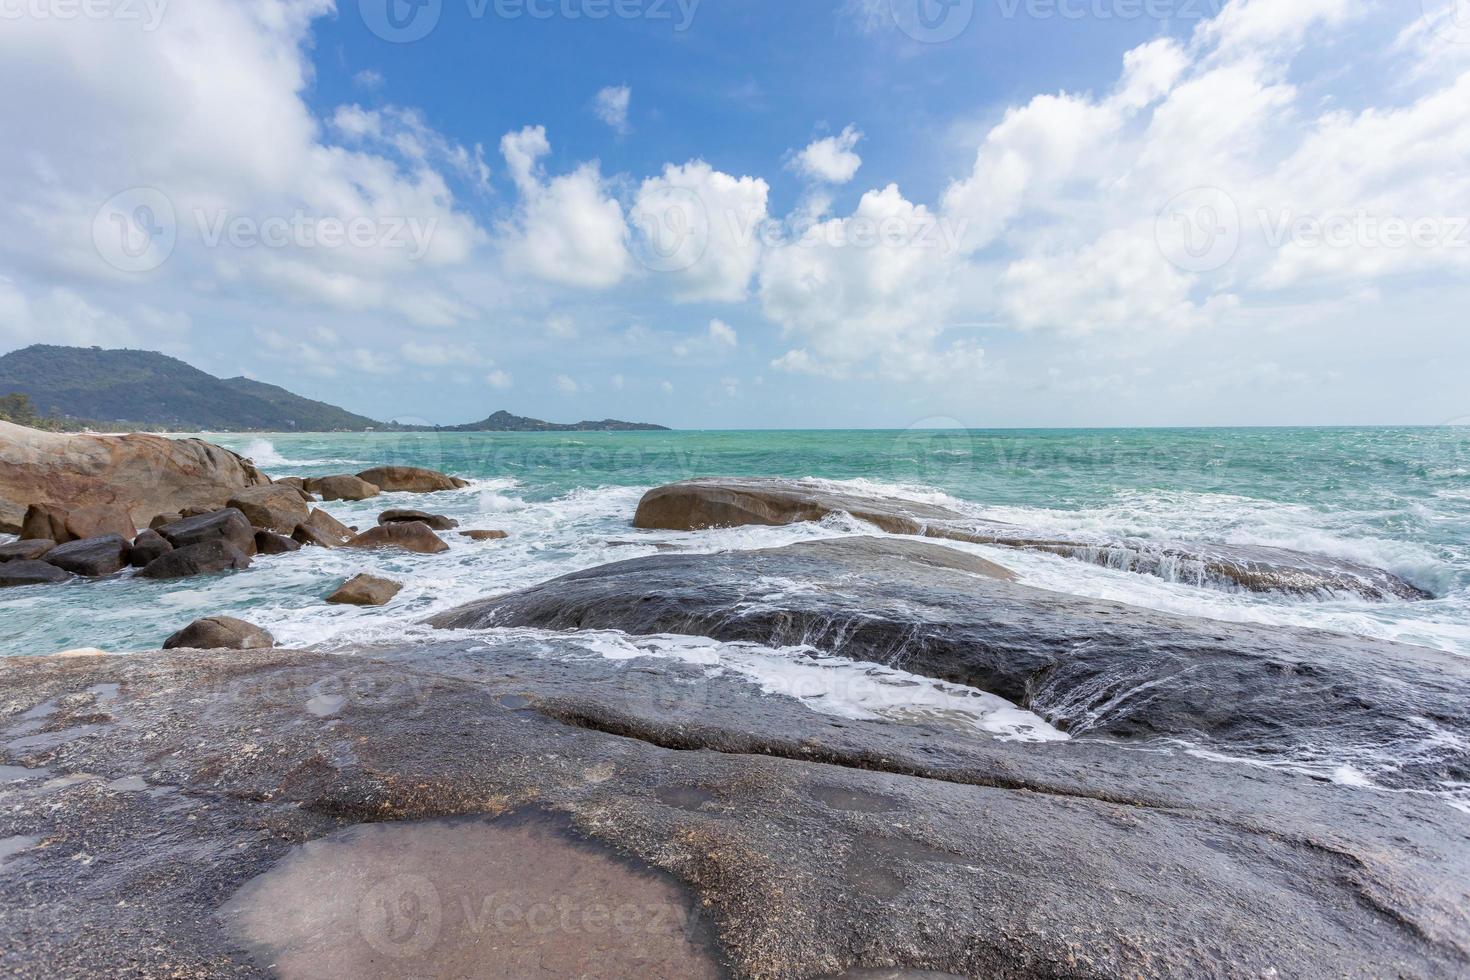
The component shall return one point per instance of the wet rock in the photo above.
(484, 535)
(735, 502)
(330, 528)
(415, 536)
(411, 479)
(220, 633)
(226, 525)
(148, 546)
(366, 590)
(272, 508)
(91, 558)
(142, 475)
(206, 558)
(27, 572)
(271, 543)
(310, 537)
(26, 549)
(341, 488)
(1272, 693)
(436, 521)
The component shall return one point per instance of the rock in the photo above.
(330, 528)
(366, 590)
(220, 633)
(435, 521)
(310, 537)
(163, 519)
(795, 843)
(147, 546)
(292, 481)
(416, 536)
(206, 558)
(341, 488)
(272, 508)
(228, 525)
(92, 557)
(140, 474)
(26, 572)
(411, 479)
(189, 512)
(26, 549)
(271, 543)
(734, 502)
(1271, 693)
(484, 535)
(62, 526)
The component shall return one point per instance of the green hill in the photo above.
(506, 422)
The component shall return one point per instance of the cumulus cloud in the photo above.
(698, 230)
(611, 105)
(830, 160)
(722, 334)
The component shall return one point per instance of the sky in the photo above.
(756, 213)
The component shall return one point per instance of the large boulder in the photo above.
(273, 508)
(143, 475)
(26, 549)
(92, 557)
(329, 527)
(206, 558)
(365, 590)
(63, 525)
(148, 546)
(26, 572)
(271, 543)
(1277, 694)
(696, 505)
(220, 633)
(228, 525)
(436, 521)
(411, 479)
(417, 536)
(341, 488)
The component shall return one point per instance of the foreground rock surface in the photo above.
(144, 475)
(220, 633)
(734, 502)
(1271, 693)
(812, 845)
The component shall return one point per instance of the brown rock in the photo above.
(411, 479)
(163, 519)
(91, 557)
(208, 557)
(341, 488)
(366, 590)
(220, 633)
(26, 549)
(142, 475)
(484, 535)
(148, 546)
(291, 481)
(310, 537)
(271, 543)
(435, 521)
(331, 528)
(274, 508)
(229, 525)
(60, 525)
(416, 536)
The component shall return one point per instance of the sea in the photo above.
(1396, 498)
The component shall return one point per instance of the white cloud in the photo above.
(698, 230)
(566, 385)
(499, 379)
(611, 106)
(721, 334)
(368, 79)
(832, 159)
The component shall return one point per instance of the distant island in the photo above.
(73, 388)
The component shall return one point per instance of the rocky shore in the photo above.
(494, 794)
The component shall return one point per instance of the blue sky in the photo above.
(757, 214)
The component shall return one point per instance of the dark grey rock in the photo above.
(25, 572)
(270, 543)
(148, 546)
(436, 521)
(206, 558)
(220, 633)
(92, 557)
(26, 549)
(227, 525)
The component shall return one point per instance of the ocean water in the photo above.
(1397, 498)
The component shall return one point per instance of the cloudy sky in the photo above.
(756, 213)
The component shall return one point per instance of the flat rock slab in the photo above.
(1271, 693)
(813, 845)
(735, 502)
